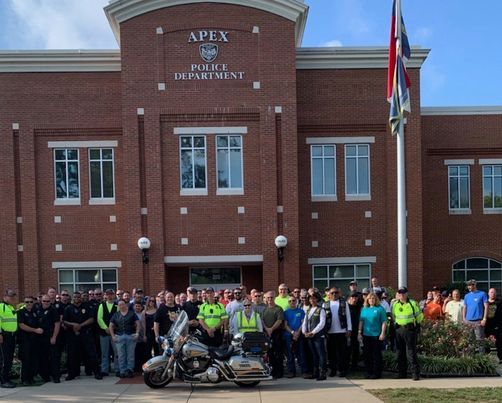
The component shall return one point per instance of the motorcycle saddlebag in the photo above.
(255, 342)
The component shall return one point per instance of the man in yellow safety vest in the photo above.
(246, 321)
(8, 329)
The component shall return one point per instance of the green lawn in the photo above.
(417, 395)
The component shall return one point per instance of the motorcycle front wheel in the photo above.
(249, 384)
(154, 379)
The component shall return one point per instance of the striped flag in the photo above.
(398, 81)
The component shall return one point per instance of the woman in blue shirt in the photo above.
(372, 328)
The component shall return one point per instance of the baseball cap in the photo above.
(402, 290)
(109, 291)
(192, 290)
(139, 291)
(354, 294)
(366, 291)
(209, 289)
(471, 282)
(353, 282)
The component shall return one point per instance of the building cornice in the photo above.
(119, 11)
(461, 110)
(374, 57)
(40, 61)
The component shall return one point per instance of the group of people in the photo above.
(321, 335)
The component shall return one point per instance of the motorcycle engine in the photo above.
(196, 365)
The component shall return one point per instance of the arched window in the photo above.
(487, 272)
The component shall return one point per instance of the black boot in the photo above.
(321, 376)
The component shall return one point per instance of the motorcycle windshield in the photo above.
(179, 327)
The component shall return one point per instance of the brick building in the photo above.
(211, 132)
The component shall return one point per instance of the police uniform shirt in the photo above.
(77, 314)
(29, 318)
(47, 318)
(192, 309)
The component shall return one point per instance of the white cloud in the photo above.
(62, 24)
(334, 42)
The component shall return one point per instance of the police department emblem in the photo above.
(208, 52)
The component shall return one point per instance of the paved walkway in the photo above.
(291, 390)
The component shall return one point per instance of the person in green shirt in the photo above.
(282, 298)
(106, 309)
(212, 318)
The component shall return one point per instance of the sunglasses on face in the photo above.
(46, 300)
(247, 306)
(28, 302)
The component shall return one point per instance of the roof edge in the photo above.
(460, 110)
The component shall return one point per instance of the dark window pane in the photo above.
(223, 171)
(236, 168)
(459, 276)
(61, 181)
(73, 185)
(320, 272)
(235, 141)
(94, 154)
(88, 276)
(72, 154)
(186, 142)
(459, 265)
(110, 275)
(108, 179)
(199, 142)
(222, 141)
(107, 153)
(478, 275)
(186, 169)
(350, 176)
(60, 154)
(477, 263)
(495, 264)
(95, 179)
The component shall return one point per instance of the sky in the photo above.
(463, 68)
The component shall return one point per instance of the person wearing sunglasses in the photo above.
(48, 351)
(212, 318)
(8, 326)
(246, 320)
(29, 337)
(293, 337)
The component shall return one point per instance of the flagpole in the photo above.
(402, 275)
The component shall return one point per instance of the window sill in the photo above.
(193, 192)
(324, 198)
(67, 202)
(492, 211)
(230, 192)
(357, 197)
(465, 211)
(101, 201)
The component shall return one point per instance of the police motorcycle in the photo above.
(186, 358)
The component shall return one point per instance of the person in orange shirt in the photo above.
(434, 309)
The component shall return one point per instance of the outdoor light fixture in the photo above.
(280, 243)
(144, 244)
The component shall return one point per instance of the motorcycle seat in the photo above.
(222, 353)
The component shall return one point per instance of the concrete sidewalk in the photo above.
(295, 390)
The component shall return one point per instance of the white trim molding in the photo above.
(58, 61)
(82, 144)
(213, 259)
(210, 130)
(459, 162)
(89, 264)
(119, 11)
(460, 211)
(490, 161)
(342, 260)
(460, 110)
(357, 197)
(368, 57)
(340, 140)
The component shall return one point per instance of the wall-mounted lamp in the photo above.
(280, 243)
(144, 244)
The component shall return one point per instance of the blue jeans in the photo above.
(318, 349)
(125, 350)
(295, 350)
(105, 342)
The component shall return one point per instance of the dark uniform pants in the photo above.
(82, 343)
(48, 359)
(406, 344)
(28, 353)
(338, 352)
(276, 354)
(7, 347)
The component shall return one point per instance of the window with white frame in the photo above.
(492, 186)
(86, 279)
(229, 162)
(357, 170)
(101, 174)
(66, 174)
(340, 275)
(193, 162)
(486, 272)
(323, 170)
(459, 187)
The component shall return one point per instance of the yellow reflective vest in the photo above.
(409, 312)
(8, 318)
(244, 325)
(212, 314)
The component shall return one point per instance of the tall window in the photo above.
(193, 162)
(323, 170)
(66, 174)
(486, 272)
(87, 279)
(341, 275)
(357, 170)
(229, 162)
(492, 186)
(458, 187)
(101, 173)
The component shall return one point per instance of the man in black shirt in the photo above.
(49, 321)
(165, 316)
(78, 319)
(29, 341)
(191, 307)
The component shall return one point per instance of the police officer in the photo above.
(106, 309)
(213, 318)
(48, 357)
(246, 321)
(78, 319)
(407, 317)
(29, 341)
(8, 328)
(62, 345)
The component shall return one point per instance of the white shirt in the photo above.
(319, 327)
(336, 327)
(385, 305)
(233, 307)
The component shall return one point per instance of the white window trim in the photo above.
(340, 140)
(87, 264)
(463, 210)
(77, 285)
(341, 260)
(490, 161)
(83, 144)
(193, 191)
(213, 259)
(230, 191)
(67, 202)
(322, 197)
(496, 210)
(345, 278)
(186, 131)
(74, 201)
(101, 200)
(489, 210)
(459, 162)
(358, 196)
